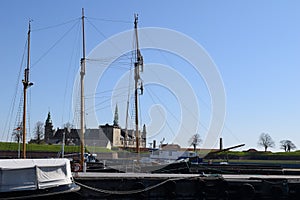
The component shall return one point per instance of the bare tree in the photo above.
(17, 133)
(265, 141)
(287, 145)
(68, 125)
(39, 132)
(195, 140)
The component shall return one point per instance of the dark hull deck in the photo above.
(187, 186)
(60, 192)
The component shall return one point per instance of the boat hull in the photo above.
(36, 178)
(69, 191)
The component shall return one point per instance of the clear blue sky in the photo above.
(254, 44)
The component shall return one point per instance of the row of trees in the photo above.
(38, 137)
(266, 141)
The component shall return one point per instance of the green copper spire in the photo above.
(116, 118)
(48, 120)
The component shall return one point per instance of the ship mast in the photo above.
(26, 84)
(82, 73)
(126, 122)
(137, 64)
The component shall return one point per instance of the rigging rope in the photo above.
(76, 42)
(7, 126)
(94, 95)
(57, 25)
(161, 102)
(111, 20)
(18, 122)
(76, 118)
(105, 37)
(52, 47)
(28, 116)
(206, 104)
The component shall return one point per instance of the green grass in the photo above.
(235, 161)
(12, 146)
(260, 153)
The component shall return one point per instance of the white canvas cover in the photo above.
(32, 174)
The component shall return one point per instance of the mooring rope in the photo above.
(132, 191)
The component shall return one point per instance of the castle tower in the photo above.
(48, 128)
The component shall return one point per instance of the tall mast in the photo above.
(26, 84)
(126, 122)
(82, 73)
(137, 64)
(127, 109)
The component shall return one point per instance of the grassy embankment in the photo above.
(256, 157)
(12, 146)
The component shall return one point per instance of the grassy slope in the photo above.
(260, 153)
(11, 146)
(257, 157)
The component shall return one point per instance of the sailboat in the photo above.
(138, 67)
(34, 178)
